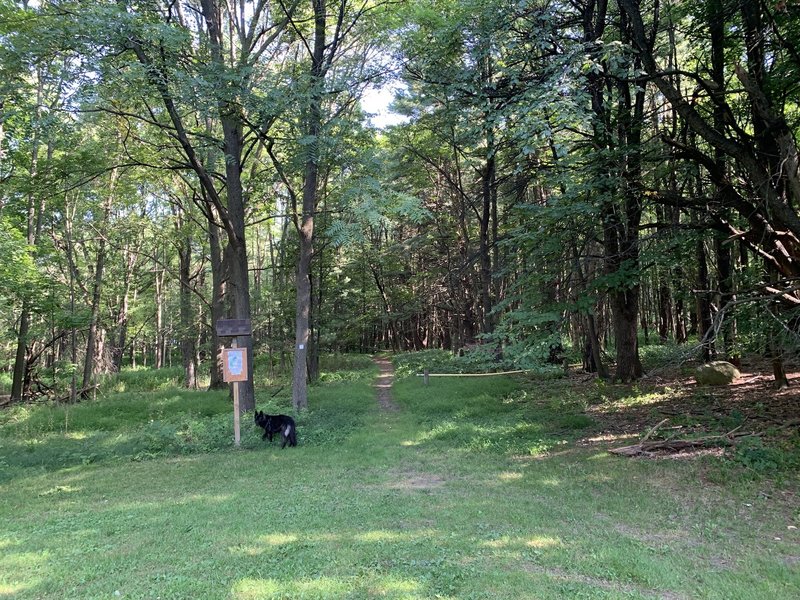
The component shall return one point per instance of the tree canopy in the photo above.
(569, 181)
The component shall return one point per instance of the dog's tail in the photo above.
(291, 433)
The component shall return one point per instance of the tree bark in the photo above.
(187, 328)
(306, 225)
(89, 366)
(231, 119)
(218, 279)
(35, 207)
(159, 300)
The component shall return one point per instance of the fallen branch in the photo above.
(78, 394)
(472, 374)
(652, 431)
(645, 447)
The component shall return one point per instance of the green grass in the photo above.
(475, 489)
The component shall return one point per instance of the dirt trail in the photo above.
(383, 385)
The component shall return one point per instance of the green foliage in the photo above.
(479, 359)
(656, 356)
(144, 379)
(408, 364)
(143, 414)
(492, 415)
(19, 276)
(761, 460)
(5, 382)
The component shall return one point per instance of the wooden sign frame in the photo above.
(234, 327)
(234, 371)
(234, 364)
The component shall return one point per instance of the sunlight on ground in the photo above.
(16, 571)
(637, 399)
(409, 443)
(325, 587)
(269, 542)
(24, 560)
(76, 435)
(209, 498)
(509, 476)
(599, 456)
(539, 542)
(610, 437)
(543, 542)
(263, 543)
(278, 539)
(394, 585)
(59, 489)
(157, 504)
(380, 535)
(550, 481)
(265, 588)
(12, 589)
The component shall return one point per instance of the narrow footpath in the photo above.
(383, 385)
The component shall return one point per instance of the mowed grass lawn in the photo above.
(475, 488)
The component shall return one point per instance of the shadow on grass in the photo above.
(321, 545)
(283, 528)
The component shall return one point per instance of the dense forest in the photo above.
(570, 179)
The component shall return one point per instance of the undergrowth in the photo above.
(142, 414)
(478, 360)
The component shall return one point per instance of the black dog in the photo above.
(272, 424)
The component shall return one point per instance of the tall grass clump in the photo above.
(500, 415)
(5, 383)
(480, 359)
(345, 367)
(141, 413)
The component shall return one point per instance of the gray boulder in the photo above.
(718, 372)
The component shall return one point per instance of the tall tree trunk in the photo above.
(218, 279)
(306, 225)
(704, 317)
(231, 119)
(487, 322)
(187, 326)
(20, 365)
(665, 313)
(89, 365)
(159, 299)
(488, 196)
(121, 329)
(35, 208)
(716, 26)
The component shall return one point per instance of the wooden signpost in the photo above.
(234, 363)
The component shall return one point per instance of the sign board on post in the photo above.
(234, 362)
(234, 327)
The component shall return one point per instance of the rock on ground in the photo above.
(718, 372)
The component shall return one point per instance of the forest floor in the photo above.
(684, 409)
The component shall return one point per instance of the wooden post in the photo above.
(236, 416)
(234, 363)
